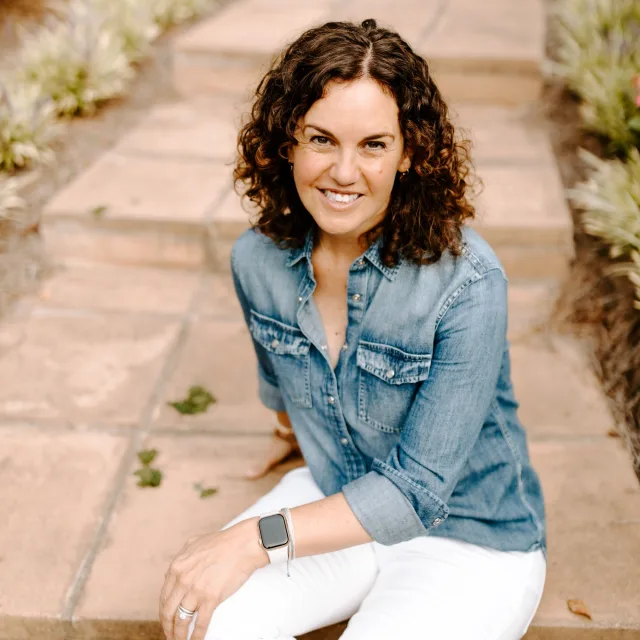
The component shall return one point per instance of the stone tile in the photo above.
(231, 217)
(557, 391)
(218, 355)
(412, 19)
(530, 305)
(523, 205)
(151, 244)
(502, 134)
(118, 288)
(593, 511)
(217, 298)
(152, 524)
(83, 368)
(53, 487)
(201, 130)
(149, 190)
(501, 31)
(266, 26)
(535, 262)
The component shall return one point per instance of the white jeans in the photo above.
(422, 589)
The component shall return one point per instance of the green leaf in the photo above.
(148, 477)
(99, 211)
(147, 456)
(197, 401)
(634, 124)
(205, 493)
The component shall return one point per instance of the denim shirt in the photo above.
(417, 424)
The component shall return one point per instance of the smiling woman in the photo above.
(379, 324)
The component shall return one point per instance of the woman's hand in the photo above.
(283, 446)
(208, 569)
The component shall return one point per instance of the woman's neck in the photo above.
(339, 249)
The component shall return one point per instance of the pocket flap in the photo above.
(393, 365)
(278, 338)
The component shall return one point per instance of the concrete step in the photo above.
(107, 359)
(482, 52)
(174, 204)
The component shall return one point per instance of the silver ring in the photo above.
(183, 613)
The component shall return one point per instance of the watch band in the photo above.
(282, 553)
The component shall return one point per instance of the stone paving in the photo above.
(140, 307)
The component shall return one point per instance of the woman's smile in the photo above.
(339, 200)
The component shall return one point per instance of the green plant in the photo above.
(11, 204)
(79, 61)
(598, 54)
(134, 21)
(28, 126)
(170, 12)
(610, 201)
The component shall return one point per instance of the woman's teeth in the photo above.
(341, 197)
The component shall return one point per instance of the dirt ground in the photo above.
(595, 305)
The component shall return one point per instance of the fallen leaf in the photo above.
(579, 607)
(147, 456)
(205, 493)
(197, 401)
(613, 433)
(99, 211)
(148, 477)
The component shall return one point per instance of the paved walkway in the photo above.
(140, 308)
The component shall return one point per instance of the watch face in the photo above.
(273, 531)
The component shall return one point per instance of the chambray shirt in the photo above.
(417, 425)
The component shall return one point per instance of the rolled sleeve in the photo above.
(406, 495)
(380, 501)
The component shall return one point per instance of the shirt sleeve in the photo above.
(406, 495)
(268, 390)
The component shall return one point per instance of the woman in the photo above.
(379, 324)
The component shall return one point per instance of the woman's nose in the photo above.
(345, 169)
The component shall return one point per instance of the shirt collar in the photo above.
(372, 254)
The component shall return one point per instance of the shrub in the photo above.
(598, 55)
(28, 126)
(610, 201)
(79, 60)
(135, 21)
(10, 203)
(170, 12)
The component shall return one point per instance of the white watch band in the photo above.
(278, 555)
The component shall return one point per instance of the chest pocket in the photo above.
(388, 380)
(289, 353)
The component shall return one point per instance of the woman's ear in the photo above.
(405, 163)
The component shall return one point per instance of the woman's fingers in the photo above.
(277, 452)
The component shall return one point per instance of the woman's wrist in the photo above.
(249, 530)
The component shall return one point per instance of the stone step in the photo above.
(175, 206)
(482, 52)
(108, 357)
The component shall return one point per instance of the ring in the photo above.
(183, 613)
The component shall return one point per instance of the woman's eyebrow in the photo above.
(375, 136)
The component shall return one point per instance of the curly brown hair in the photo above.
(427, 206)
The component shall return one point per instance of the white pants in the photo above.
(423, 589)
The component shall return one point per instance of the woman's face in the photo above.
(349, 151)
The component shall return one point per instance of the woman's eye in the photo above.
(321, 140)
(375, 145)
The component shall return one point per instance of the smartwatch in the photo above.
(274, 536)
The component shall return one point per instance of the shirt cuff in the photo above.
(383, 500)
(270, 395)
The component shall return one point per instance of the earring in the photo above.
(291, 166)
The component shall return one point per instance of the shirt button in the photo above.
(324, 347)
(390, 373)
(331, 399)
(344, 441)
(356, 297)
(360, 262)
(299, 298)
(275, 343)
(344, 346)
(437, 521)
